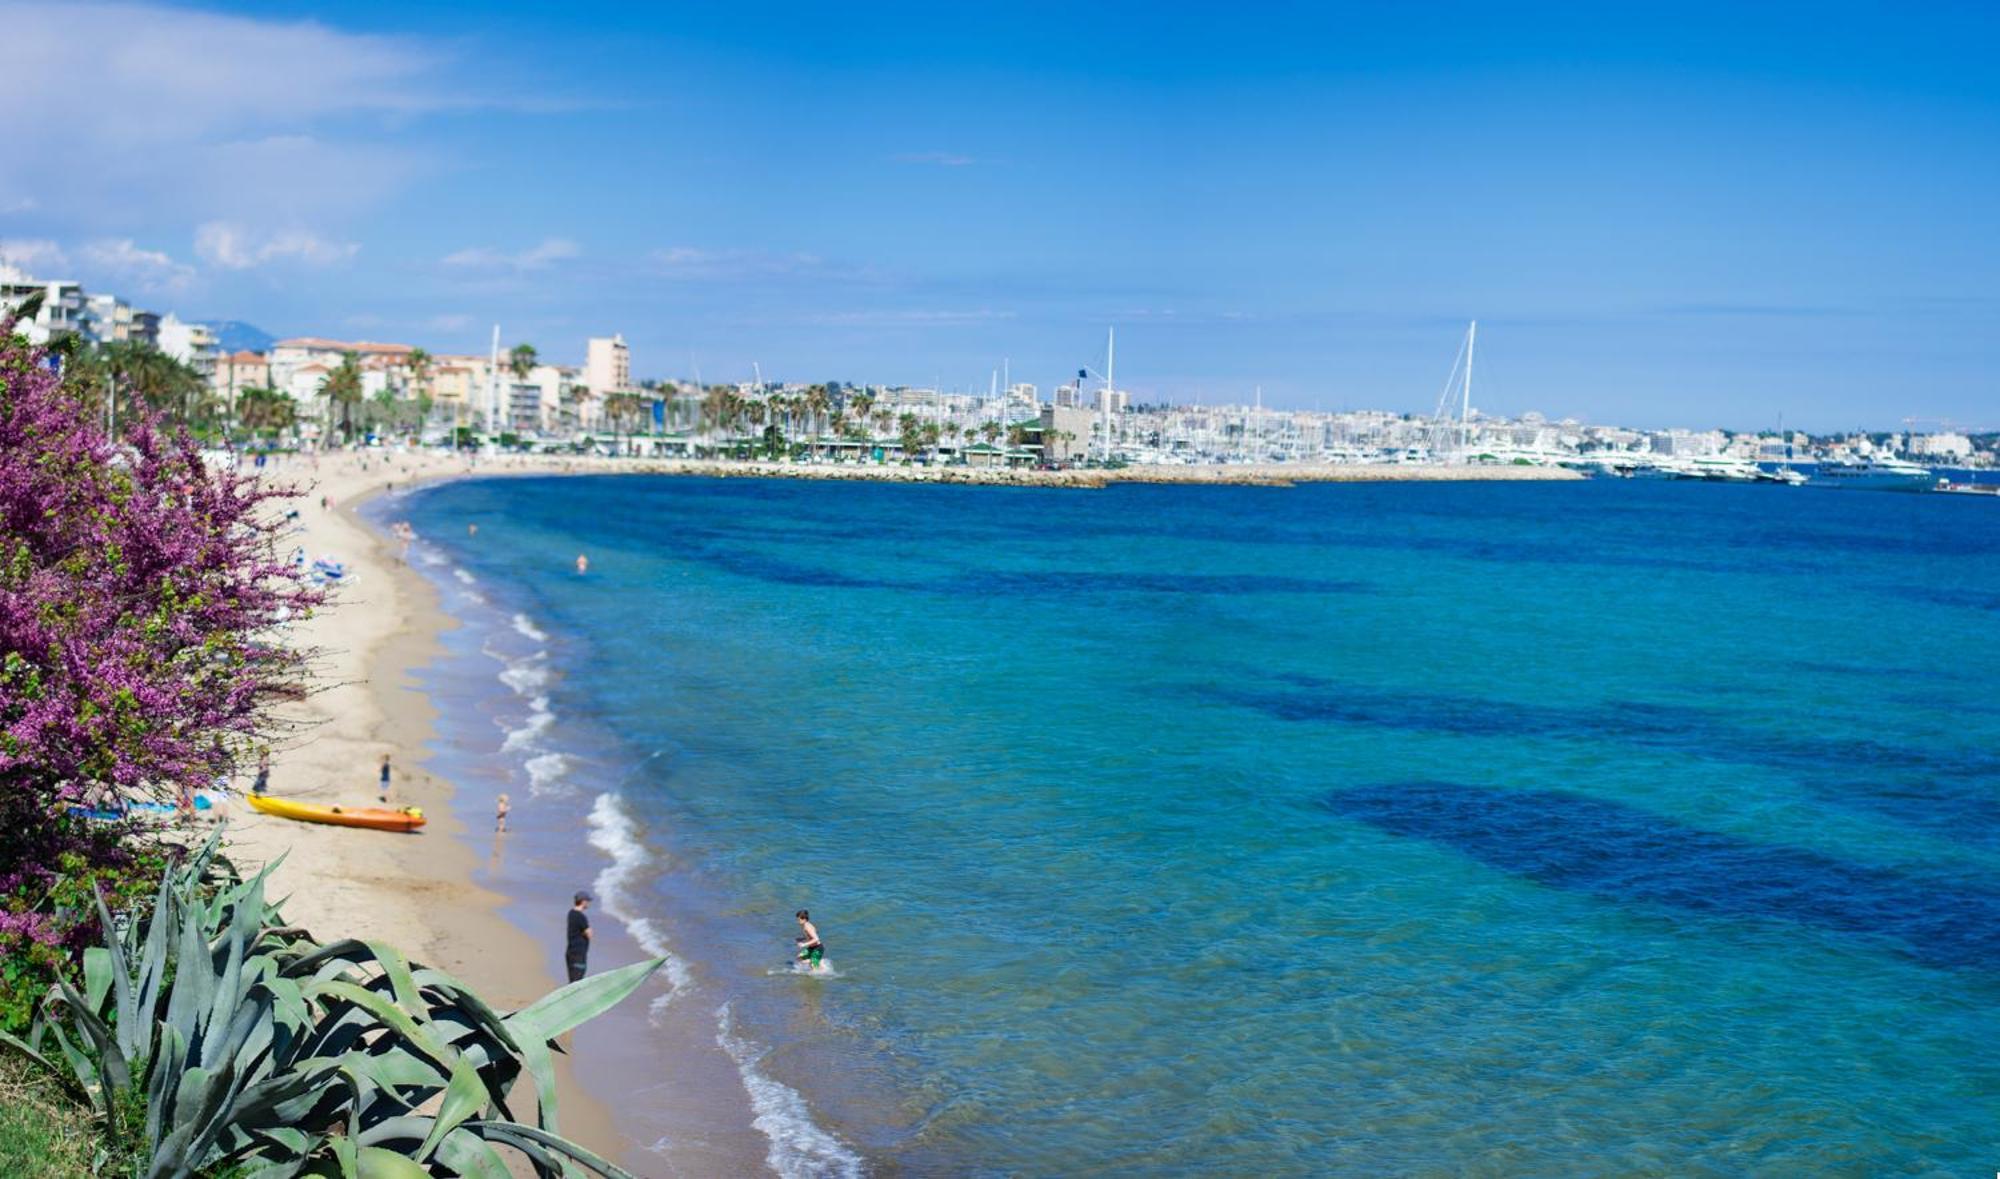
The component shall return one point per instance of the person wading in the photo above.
(576, 955)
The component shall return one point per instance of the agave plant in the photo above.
(217, 1037)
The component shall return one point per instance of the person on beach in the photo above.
(576, 955)
(263, 780)
(811, 949)
(385, 777)
(500, 816)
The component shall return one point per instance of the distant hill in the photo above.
(236, 336)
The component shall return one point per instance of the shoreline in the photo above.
(415, 891)
(1218, 475)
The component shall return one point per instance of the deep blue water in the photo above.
(1538, 828)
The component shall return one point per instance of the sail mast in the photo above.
(1465, 406)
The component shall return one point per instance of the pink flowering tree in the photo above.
(141, 591)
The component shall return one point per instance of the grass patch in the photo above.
(42, 1133)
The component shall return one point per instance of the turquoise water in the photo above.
(1566, 828)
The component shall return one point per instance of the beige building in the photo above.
(237, 371)
(607, 366)
(287, 356)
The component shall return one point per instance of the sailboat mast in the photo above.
(1465, 406)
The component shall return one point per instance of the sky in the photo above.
(1664, 215)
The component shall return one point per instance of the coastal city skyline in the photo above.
(1658, 229)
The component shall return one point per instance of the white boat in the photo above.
(1878, 474)
(1718, 468)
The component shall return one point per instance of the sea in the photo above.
(1492, 828)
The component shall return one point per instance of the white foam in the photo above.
(527, 676)
(613, 832)
(799, 1147)
(545, 772)
(526, 627)
(464, 578)
(540, 717)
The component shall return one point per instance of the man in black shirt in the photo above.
(577, 955)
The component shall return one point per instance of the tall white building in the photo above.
(607, 366)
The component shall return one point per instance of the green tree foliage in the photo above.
(521, 360)
(342, 390)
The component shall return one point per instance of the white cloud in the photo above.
(40, 257)
(209, 114)
(125, 262)
(449, 322)
(235, 247)
(537, 257)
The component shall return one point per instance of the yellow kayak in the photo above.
(379, 818)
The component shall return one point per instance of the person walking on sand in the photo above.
(500, 816)
(262, 782)
(811, 948)
(385, 777)
(576, 954)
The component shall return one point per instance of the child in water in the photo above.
(500, 816)
(811, 949)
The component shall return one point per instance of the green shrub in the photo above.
(211, 1037)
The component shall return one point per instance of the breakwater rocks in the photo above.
(1246, 475)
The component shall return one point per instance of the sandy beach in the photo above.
(414, 891)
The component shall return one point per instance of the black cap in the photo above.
(582, 896)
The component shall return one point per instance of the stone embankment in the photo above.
(1272, 475)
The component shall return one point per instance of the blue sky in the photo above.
(1675, 215)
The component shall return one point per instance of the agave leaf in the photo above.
(85, 1073)
(515, 1132)
(228, 993)
(117, 1073)
(171, 1156)
(372, 1162)
(96, 976)
(563, 1009)
(128, 1016)
(153, 955)
(394, 1017)
(401, 1070)
(166, 1070)
(397, 971)
(464, 1097)
(194, 984)
(471, 1157)
(465, 998)
(336, 952)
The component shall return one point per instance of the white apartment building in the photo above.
(1945, 446)
(607, 366)
(193, 344)
(62, 311)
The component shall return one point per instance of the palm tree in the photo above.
(990, 431)
(521, 360)
(419, 362)
(265, 410)
(342, 387)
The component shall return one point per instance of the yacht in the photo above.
(1880, 473)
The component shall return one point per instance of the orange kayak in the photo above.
(379, 818)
